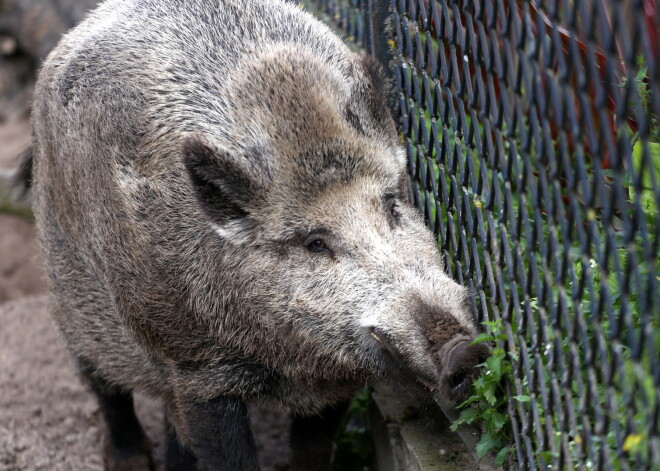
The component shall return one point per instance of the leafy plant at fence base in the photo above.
(487, 407)
(487, 403)
(354, 441)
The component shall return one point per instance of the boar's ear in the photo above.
(222, 186)
(367, 109)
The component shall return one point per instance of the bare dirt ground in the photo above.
(48, 420)
(20, 268)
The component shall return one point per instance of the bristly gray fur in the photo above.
(185, 152)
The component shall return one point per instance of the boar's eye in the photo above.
(318, 246)
(394, 209)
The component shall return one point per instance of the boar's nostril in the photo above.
(483, 354)
(457, 380)
(460, 367)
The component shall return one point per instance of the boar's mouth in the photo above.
(458, 360)
(384, 341)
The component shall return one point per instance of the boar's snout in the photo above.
(455, 364)
(459, 360)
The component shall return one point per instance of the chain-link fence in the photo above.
(534, 151)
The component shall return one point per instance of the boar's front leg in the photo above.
(126, 446)
(218, 433)
(177, 456)
(312, 439)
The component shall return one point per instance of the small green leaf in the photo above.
(522, 398)
(498, 420)
(468, 415)
(479, 384)
(546, 456)
(483, 337)
(487, 443)
(470, 400)
(489, 395)
(494, 365)
(647, 198)
(493, 325)
(501, 456)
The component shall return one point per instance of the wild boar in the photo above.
(220, 193)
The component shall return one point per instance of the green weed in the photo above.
(355, 442)
(488, 401)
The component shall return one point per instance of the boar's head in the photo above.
(340, 278)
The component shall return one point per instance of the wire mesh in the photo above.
(534, 154)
